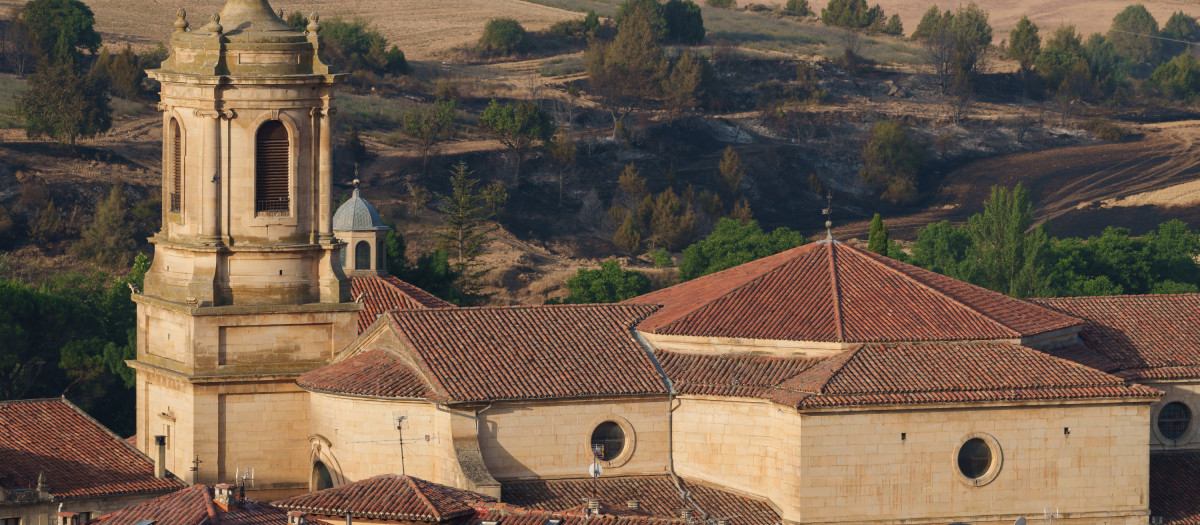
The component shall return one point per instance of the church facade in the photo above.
(824, 383)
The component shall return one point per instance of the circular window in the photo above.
(1174, 420)
(974, 458)
(608, 440)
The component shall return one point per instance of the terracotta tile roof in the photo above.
(898, 373)
(832, 292)
(658, 496)
(389, 497)
(506, 515)
(520, 352)
(372, 373)
(1142, 336)
(382, 293)
(1174, 478)
(80, 458)
(194, 506)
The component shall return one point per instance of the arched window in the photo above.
(176, 183)
(323, 478)
(608, 440)
(362, 256)
(271, 168)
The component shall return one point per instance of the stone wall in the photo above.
(551, 439)
(46, 513)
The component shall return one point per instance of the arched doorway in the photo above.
(322, 479)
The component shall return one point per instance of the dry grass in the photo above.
(424, 29)
(1089, 16)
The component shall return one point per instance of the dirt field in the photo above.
(1089, 16)
(422, 28)
(1078, 191)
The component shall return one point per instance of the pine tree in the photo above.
(628, 238)
(731, 170)
(741, 211)
(109, 238)
(878, 241)
(465, 234)
(49, 224)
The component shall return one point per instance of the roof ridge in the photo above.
(835, 290)
(582, 306)
(426, 372)
(1118, 296)
(735, 289)
(408, 480)
(850, 356)
(940, 293)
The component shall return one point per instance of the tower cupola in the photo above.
(358, 224)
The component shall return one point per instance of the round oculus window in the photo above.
(974, 458)
(1174, 420)
(608, 440)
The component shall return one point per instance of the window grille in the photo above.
(271, 169)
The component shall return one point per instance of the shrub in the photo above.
(797, 8)
(353, 46)
(607, 284)
(722, 3)
(685, 23)
(628, 239)
(853, 14)
(1179, 78)
(502, 37)
(65, 106)
(892, 160)
(1105, 130)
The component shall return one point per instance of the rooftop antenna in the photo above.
(241, 478)
(196, 463)
(595, 470)
(828, 213)
(399, 426)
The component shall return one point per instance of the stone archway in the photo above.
(324, 464)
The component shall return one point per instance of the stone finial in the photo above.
(314, 25)
(214, 25)
(181, 23)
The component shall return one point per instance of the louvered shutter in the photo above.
(271, 168)
(176, 167)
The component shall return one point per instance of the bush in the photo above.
(502, 37)
(1179, 78)
(109, 238)
(64, 105)
(608, 284)
(797, 8)
(732, 243)
(892, 159)
(1105, 130)
(353, 46)
(685, 23)
(853, 14)
(722, 3)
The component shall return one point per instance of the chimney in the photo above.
(160, 459)
(296, 517)
(685, 513)
(223, 496)
(68, 518)
(633, 504)
(593, 505)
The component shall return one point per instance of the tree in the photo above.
(929, 23)
(123, 72)
(61, 29)
(1179, 27)
(627, 71)
(878, 240)
(892, 161)
(955, 46)
(607, 284)
(1006, 253)
(562, 150)
(650, 10)
(1062, 50)
(894, 26)
(853, 14)
(685, 22)
(731, 244)
(672, 221)
(941, 247)
(354, 46)
(502, 37)
(429, 125)
(1134, 34)
(628, 239)
(518, 127)
(1024, 45)
(108, 239)
(20, 52)
(465, 233)
(1179, 78)
(797, 8)
(683, 89)
(731, 170)
(64, 105)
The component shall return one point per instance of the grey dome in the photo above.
(357, 215)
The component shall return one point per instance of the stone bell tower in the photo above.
(246, 290)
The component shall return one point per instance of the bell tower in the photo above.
(246, 290)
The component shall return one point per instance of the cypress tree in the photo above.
(878, 241)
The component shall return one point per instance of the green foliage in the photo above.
(1179, 27)
(61, 29)
(942, 247)
(502, 37)
(123, 72)
(732, 243)
(1105, 130)
(651, 13)
(434, 274)
(685, 23)
(853, 14)
(354, 46)
(1024, 45)
(1179, 78)
(465, 233)
(518, 127)
(1007, 254)
(672, 221)
(878, 240)
(1162, 261)
(607, 284)
(626, 72)
(661, 257)
(894, 26)
(955, 44)
(892, 161)
(929, 23)
(726, 4)
(48, 226)
(64, 105)
(627, 238)
(1134, 34)
(429, 125)
(108, 239)
(797, 8)
(683, 89)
